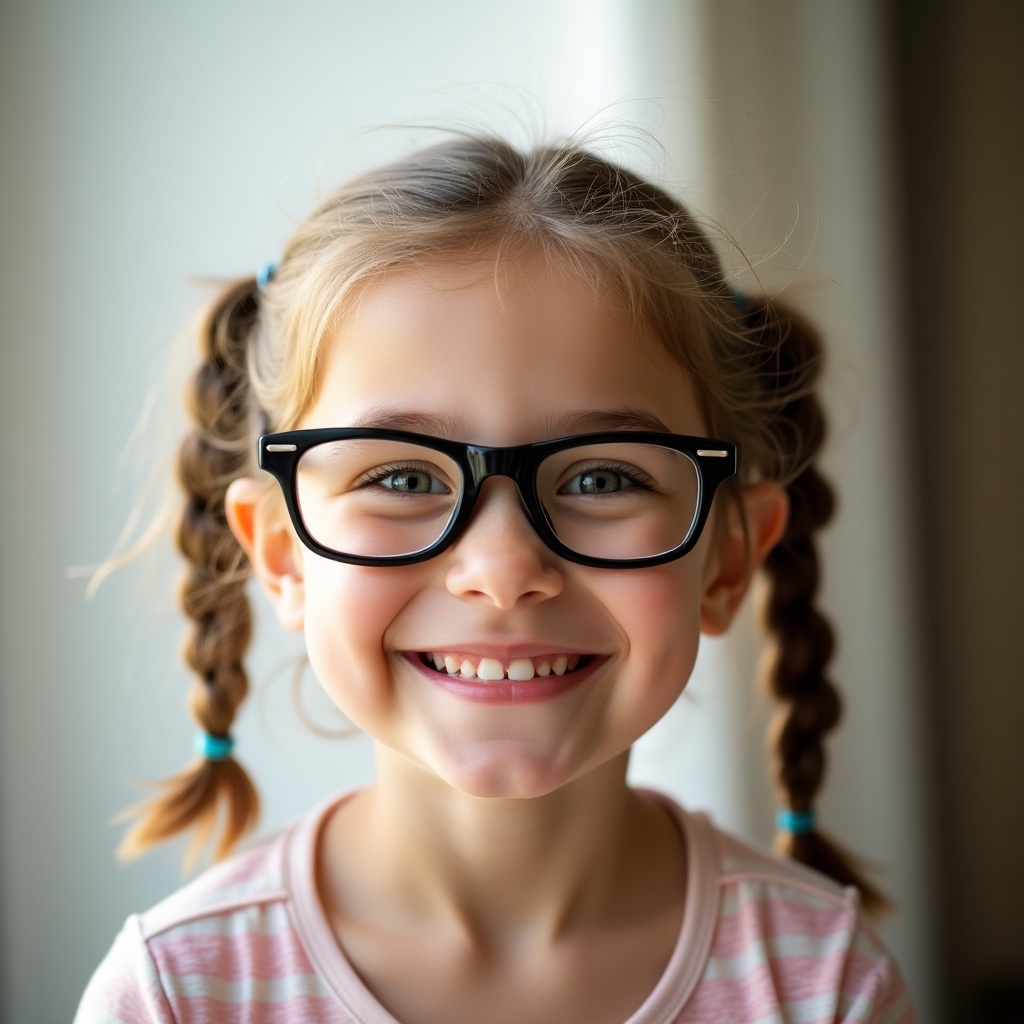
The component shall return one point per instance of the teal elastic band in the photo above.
(266, 275)
(797, 823)
(213, 748)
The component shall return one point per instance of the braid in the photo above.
(213, 589)
(808, 704)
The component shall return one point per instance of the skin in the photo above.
(500, 868)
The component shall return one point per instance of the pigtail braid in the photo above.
(212, 591)
(808, 706)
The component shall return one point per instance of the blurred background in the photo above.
(867, 157)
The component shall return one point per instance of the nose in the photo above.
(499, 557)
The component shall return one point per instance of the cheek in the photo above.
(659, 612)
(348, 610)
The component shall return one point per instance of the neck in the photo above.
(412, 849)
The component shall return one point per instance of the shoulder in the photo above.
(747, 871)
(789, 940)
(786, 942)
(251, 882)
(226, 940)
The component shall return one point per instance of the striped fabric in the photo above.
(762, 942)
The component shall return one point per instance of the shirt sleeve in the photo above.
(873, 989)
(125, 989)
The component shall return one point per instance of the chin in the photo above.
(504, 770)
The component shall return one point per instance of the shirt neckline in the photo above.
(663, 1004)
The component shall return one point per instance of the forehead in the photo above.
(498, 352)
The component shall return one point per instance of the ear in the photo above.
(736, 554)
(265, 534)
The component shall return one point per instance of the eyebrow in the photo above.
(565, 424)
(627, 418)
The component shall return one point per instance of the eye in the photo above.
(598, 480)
(406, 480)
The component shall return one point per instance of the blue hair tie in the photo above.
(797, 823)
(213, 748)
(741, 301)
(267, 274)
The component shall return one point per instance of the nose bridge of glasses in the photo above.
(511, 463)
(488, 462)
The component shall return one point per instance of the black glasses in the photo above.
(617, 500)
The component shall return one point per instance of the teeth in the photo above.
(489, 668)
(492, 669)
(520, 669)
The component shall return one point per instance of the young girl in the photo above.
(498, 437)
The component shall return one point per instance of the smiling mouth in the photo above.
(462, 666)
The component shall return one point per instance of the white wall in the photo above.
(145, 144)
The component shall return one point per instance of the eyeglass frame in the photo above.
(715, 462)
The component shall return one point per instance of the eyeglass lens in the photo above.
(372, 497)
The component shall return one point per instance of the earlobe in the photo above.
(266, 536)
(738, 553)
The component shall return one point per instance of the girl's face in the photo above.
(524, 354)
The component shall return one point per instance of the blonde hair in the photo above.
(753, 362)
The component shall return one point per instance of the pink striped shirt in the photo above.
(762, 940)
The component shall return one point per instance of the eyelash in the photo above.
(635, 477)
(378, 473)
(632, 474)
